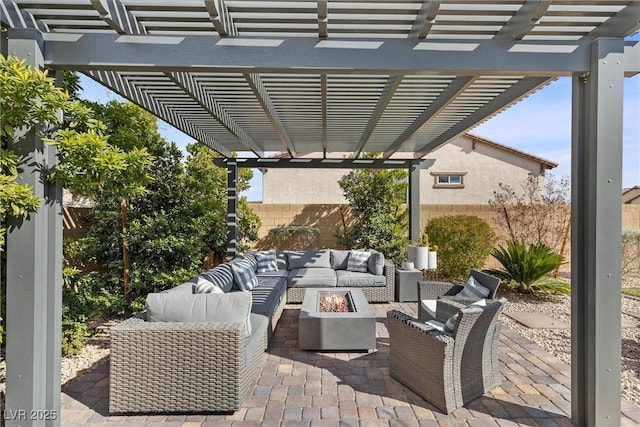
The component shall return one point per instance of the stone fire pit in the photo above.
(336, 331)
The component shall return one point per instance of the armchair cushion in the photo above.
(473, 289)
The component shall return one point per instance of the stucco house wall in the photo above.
(483, 164)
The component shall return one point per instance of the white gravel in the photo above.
(558, 341)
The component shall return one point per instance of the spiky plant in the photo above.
(524, 267)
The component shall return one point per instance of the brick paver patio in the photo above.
(299, 388)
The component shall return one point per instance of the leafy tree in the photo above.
(375, 197)
(464, 242)
(208, 184)
(524, 267)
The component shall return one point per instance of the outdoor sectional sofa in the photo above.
(198, 352)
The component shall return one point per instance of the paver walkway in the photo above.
(300, 388)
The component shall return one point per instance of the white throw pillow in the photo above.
(267, 261)
(358, 261)
(473, 289)
(205, 286)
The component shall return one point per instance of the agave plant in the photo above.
(525, 267)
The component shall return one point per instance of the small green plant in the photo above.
(463, 242)
(525, 267)
(634, 292)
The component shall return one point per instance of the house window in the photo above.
(448, 179)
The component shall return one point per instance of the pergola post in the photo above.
(414, 201)
(34, 277)
(232, 208)
(596, 237)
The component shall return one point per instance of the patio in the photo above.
(296, 387)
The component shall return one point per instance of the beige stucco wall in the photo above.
(485, 168)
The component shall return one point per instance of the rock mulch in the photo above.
(558, 341)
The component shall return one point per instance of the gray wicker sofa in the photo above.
(198, 352)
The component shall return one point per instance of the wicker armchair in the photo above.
(447, 370)
(432, 290)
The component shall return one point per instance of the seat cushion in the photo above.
(311, 278)
(268, 294)
(309, 259)
(359, 279)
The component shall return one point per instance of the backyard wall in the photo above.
(330, 217)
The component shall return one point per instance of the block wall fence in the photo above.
(331, 217)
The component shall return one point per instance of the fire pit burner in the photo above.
(335, 303)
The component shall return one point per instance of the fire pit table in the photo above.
(319, 329)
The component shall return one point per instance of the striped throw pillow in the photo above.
(473, 289)
(267, 261)
(358, 261)
(243, 275)
(205, 286)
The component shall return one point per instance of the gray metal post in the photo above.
(414, 201)
(596, 237)
(232, 208)
(54, 295)
(33, 248)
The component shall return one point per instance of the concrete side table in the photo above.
(407, 285)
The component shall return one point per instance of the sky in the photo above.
(539, 125)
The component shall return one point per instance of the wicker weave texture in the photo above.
(448, 371)
(372, 293)
(178, 367)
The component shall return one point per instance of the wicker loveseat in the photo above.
(174, 358)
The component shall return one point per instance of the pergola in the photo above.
(397, 77)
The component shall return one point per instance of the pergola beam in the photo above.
(626, 22)
(497, 104)
(220, 17)
(261, 93)
(14, 17)
(325, 163)
(190, 86)
(524, 20)
(322, 18)
(425, 19)
(116, 15)
(124, 88)
(457, 86)
(304, 55)
(386, 96)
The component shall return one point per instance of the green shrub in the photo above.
(464, 242)
(525, 267)
(74, 336)
(294, 238)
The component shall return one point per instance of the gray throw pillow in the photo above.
(231, 307)
(473, 289)
(204, 286)
(339, 259)
(376, 263)
(451, 321)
